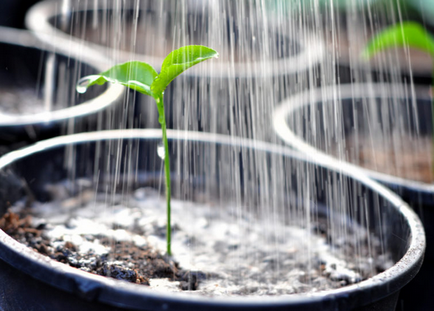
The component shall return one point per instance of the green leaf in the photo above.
(178, 61)
(135, 75)
(404, 34)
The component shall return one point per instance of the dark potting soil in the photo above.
(215, 252)
(126, 261)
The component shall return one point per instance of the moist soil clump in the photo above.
(126, 261)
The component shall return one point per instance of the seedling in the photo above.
(143, 78)
(406, 34)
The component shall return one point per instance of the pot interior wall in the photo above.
(360, 116)
(23, 72)
(140, 29)
(377, 131)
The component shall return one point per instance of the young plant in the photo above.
(405, 34)
(143, 78)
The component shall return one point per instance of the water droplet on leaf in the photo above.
(83, 84)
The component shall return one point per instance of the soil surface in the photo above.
(215, 252)
(409, 157)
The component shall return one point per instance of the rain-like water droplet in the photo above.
(82, 85)
(160, 151)
(161, 119)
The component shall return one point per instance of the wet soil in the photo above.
(409, 158)
(126, 261)
(215, 253)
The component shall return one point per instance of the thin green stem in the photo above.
(432, 122)
(162, 120)
(167, 172)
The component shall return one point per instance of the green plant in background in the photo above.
(405, 34)
(143, 78)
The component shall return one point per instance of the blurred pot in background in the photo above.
(386, 130)
(37, 92)
(260, 57)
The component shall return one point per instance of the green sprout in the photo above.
(143, 78)
(405, 34)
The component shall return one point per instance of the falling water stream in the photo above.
(270, 51)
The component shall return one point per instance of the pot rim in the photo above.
(37, 20)
(26, 39)
(108, 290)
(331, 93)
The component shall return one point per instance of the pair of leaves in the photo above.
(404, 34)
(143, 78)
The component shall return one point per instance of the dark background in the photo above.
(12, 12)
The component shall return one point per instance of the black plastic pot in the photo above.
(251, 171)
(328, 120)
(257, 54)
(28, 72)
